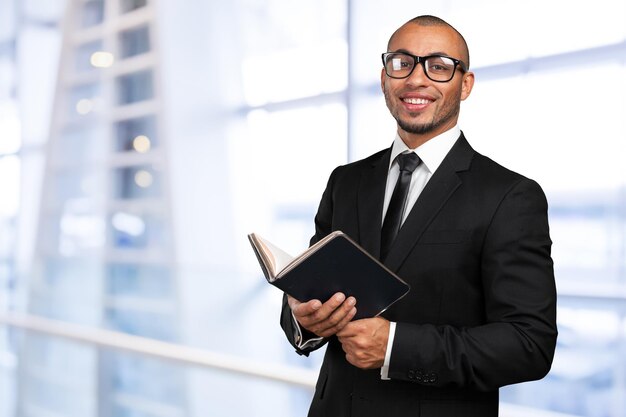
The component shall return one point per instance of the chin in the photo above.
(417, 128)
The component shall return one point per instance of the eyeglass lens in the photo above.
(438, 68)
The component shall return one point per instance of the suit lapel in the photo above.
(371, 194)
(439, 189)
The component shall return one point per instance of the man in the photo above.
(473, 244)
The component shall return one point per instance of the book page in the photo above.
(278, 258)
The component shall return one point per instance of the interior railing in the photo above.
(291, 375)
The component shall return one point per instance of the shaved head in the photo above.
(428, 20)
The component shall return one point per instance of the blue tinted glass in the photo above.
(130, 5)
(84, 53)
(128, 130)
(156, 325)
(152, 281)
(136, 182)
(92, 13)
(135, 87)
(134, 42)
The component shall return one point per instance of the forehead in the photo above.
(426, 40)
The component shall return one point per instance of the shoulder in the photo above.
(352, 171)
(356, 168)
(494, 171)
(477, 169)
(488, 176)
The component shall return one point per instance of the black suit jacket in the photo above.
(481, 312)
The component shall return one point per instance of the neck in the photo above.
(412, 140)
(415, 140)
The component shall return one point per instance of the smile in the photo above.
(416, 100)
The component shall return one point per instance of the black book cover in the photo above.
(341, 265)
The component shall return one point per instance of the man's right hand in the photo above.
(324, 319)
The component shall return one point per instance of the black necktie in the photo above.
(393, 219)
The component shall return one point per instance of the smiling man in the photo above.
(422, 108)
(468, 235)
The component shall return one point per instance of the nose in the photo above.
(418, 76)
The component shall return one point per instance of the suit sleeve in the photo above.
(518, 339)
(297, 336)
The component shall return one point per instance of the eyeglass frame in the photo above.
(422, 60)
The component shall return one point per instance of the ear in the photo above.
(467, 84)
(382, 79)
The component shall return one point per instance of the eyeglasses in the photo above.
(439, 68)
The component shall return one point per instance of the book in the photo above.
(334, 264)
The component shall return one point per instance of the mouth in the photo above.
(415, 104)
(410, 100)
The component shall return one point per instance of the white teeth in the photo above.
(416, 100)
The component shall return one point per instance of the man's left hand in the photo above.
(365, 342)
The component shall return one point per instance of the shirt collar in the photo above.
(432, 152)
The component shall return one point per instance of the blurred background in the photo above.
(141, 140)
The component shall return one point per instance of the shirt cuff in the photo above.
(384, 371)
(299, 339)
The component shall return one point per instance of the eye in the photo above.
(440, 64)
(400, 63)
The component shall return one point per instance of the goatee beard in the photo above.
(417, 129)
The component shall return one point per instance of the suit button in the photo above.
(433, 378)
(411, 374)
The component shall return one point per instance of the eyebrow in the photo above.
(405, 51)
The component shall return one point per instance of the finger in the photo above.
(330, 306)
(343, 322)
(314, 311)
(292, 302)
(339, 318)
(302, 310)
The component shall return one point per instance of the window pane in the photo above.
(9, 186)
(84, 55)
(84, 99)
(135, 87)
(92, 13)
(75, 234)
(291, 52)
(74, 185)
(136, 182)
(140, 323)
(65, 294)
(147, 378)
(57, 371)
(138, 135)
(130, 5)
(134, 42)
(152, 281)
(132, 231)
(84, 142)
(278, 76)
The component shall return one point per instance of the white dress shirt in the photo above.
(432, 154)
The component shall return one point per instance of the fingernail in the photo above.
(351, 301)
(340, 297)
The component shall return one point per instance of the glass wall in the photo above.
(10, 175)
(104, 254)
(177, 130)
